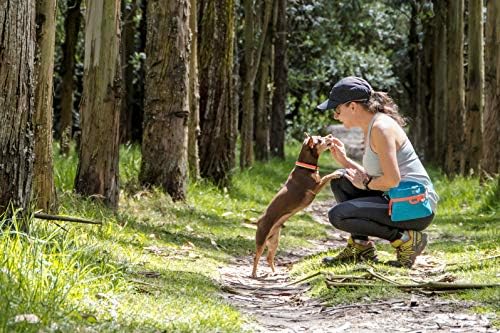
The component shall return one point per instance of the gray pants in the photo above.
(365, 213)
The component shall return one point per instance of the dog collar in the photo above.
(307, 166)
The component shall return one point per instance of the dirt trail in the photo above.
(275, 306)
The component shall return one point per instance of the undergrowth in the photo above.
(153, 265)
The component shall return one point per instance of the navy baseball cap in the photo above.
(351, 88)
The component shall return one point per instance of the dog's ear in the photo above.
(307, 135)
(310, 142)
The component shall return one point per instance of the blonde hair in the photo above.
(381, 102)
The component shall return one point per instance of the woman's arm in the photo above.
(384, 143)
(338, 152)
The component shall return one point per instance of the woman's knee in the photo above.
(335, 215)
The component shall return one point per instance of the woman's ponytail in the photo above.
(381, 102)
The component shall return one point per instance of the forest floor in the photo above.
(278, 306)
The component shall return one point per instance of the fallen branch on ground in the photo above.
(430, 286)
(44, 216)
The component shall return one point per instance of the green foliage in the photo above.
(332, 39)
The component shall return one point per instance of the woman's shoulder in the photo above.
(385, 126)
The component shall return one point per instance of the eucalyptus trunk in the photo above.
(426, 115)
(17, 93)
(97, 173)
(71, 28)
(414, 74)
(194, 96)
(277, 135)
(127, 45)
(456, 88)
(439, 83)
(247, 119)
(252, 56)
(44, 190)
(217, 114)
(165, 137)
(491, 136)
(475, 89)
(262, 124)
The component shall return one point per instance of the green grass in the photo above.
(153, 265)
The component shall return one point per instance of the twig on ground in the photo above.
(381, 277)
(304, 279)
(60, 226)
(330, 277)
(342, 278)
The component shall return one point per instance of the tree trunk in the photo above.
(456, 87)
(253, 53)
(491, 136)
(194, 96)
(71, 28)
(277, 136)
(97, 173)
(127, 51)
(217, 116)
(17, 93)
(43, 186)
(247, 119)
(426, 110)
(440, 84)
(138, 111)
(165, 138)
(262, 124)
(414, 75)
(475, 89)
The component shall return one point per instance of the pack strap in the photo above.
(414, 199)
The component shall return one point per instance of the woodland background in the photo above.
(205, 86)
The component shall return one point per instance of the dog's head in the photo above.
(312, 147)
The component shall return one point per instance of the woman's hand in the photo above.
(337, 149)
(356, 177)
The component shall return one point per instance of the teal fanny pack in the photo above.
(408, 201)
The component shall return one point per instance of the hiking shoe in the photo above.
(353, 252)
(407, 252)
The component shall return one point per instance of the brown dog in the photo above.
(303, 183)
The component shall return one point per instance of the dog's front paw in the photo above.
(334, 175)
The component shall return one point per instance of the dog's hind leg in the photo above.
(272, 247)
(258, 254)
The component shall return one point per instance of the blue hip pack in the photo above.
(408, 201)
